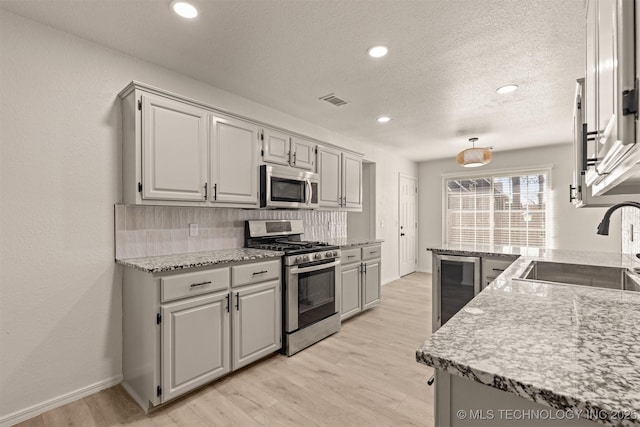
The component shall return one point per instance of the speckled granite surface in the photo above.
(484, 250)
(346, 242)
(158, 264)
(564, 346)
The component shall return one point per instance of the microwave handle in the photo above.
(309, 193)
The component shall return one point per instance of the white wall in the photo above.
(572, 228)
(60, 175)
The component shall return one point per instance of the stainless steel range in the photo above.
(311, 302)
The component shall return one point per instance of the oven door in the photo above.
(311, 293)
(284, 188)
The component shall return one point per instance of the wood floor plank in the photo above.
(365, 375)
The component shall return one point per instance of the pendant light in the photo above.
(474, 157)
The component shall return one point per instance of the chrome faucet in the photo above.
(603, 227)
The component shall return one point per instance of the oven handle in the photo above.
(298, 270)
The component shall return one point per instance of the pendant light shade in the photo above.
(474, 157)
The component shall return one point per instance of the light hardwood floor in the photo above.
(365, 375)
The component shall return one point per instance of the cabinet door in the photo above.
(329, 170)
(352, 181)
(174, 150)
(276, 147)
(607, 67)
(303, 153)
(195, 343)
(235, 148)
(371, 284)
(351, 296)
(257, 322)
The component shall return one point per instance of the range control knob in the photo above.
(317, 256)
(330, 254)
(335, 253)
(298, 260)
(305, 258)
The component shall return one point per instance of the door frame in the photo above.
(415, 213)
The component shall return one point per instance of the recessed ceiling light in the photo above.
(377, 51)
(184, 9)
(506, 89)
(383, 119)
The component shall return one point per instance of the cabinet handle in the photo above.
(431, 380)
(238, 301)
(193, 285)
(572, 195)
(375, 252)
(215, 191)
(351, 256)
(228, 303)
(498, 269)
(259, 272)
(294, 158)
(206, 184)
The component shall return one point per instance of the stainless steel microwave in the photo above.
(282, 187)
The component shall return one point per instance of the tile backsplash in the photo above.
(163, 230)
(630, 230)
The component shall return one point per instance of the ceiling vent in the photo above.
(332, 99)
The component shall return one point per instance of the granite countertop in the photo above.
(158, 264)
(484, 250)
(345, 242)
(565, 346)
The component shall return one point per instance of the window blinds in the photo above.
(500, 210)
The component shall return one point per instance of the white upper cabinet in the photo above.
(174, 150)
(283, 149)
(329, 170)
(611, 98)
(303, 153)
(235, 147)
(276, 147)
(340, 179)
(351, 181)
(180, 152)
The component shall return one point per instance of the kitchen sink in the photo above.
(584, 275)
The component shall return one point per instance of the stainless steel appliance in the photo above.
(457, 282)
(282, 187)
(311, 274)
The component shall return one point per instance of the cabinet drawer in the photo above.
(189, 284)
(495, 266)
(371, 252)
(255, 272)
(350, 256)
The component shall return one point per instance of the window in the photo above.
(500, 210)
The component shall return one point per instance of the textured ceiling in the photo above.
(438, 82)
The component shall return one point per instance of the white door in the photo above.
(329, 170)
(408, 224)
(257, 322)
(276, 147)
(195, 343)
(352, 181)
(303, 153)
(174, 150)
(235, 148)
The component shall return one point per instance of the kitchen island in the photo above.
(538, 353)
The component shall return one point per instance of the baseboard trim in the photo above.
(35, 410)
(387, 281)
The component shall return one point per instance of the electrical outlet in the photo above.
(193, 230)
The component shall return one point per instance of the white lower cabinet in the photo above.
(184, 329)
(361, 280)
(195, 343)
(257, 323)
